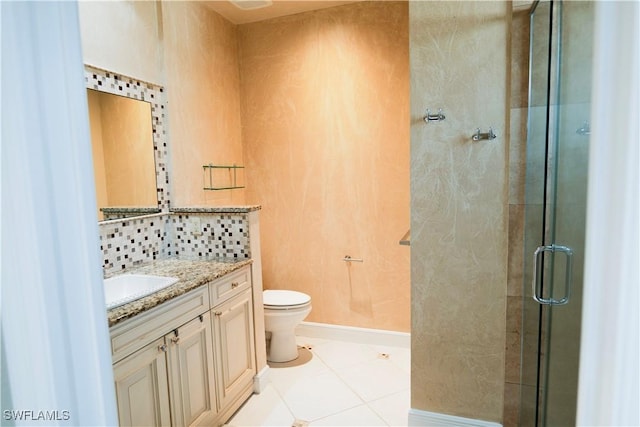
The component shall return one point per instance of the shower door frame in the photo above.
(551, 323)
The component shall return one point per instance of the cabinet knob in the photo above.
(235, 285)
(162, 348)
(218, 313)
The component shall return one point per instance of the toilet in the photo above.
(283, 311)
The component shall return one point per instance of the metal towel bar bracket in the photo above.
(347, 258)
(434, 117)
(483, 136)
(585, 129)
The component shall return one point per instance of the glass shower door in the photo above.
(557, 163)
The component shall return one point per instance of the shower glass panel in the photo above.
(556, 186)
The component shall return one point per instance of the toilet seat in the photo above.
(283, 312)
(284, 300)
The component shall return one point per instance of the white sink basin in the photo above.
(125, 288)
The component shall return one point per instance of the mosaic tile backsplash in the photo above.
(130, 242)
(210, 236)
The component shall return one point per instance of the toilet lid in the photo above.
(280, 298)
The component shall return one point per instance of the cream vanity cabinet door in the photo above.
(234, 347)
(142, 389)
(191, 373)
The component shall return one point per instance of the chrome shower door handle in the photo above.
(537, 288)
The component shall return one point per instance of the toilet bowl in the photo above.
(283, 311)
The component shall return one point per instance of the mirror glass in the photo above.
(123, 157)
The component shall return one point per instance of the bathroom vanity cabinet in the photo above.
(190, 360)
(142, 387)
(191, 368)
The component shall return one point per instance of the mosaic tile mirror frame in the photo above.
(118, 84)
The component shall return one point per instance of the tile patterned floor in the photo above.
(344, 384)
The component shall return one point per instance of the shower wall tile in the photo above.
(514, 315)
(511, 405)
(577, 50)
(516, 255)
(540, 46)
(536, 155)
(517, 208)
(517, 175)
(528, 406)
(517, 155)
(325, 95)
(459, 208)
(533, 228)
(520, 58)
(512, 358)
(514, 339)
(576, 45)
(529, 360)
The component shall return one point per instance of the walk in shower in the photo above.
(556, 187)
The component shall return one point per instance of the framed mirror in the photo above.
(123, 163)
(129, 145)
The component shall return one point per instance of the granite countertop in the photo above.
(191, 274)
(129, 209)
(217, 209)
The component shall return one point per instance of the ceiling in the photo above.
(275, 10)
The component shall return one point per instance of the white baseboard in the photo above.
(353, 334)
(418, 418)
(260, 380)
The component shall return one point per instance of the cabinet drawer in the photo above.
(230, 285)
(138, 331)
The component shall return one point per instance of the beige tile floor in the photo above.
(344, 384)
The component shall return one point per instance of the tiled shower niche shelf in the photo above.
(232, 177)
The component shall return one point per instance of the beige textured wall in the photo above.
(343, 184)
(459, 54)
(203, 91)
(325, 107)
(192, 52)
(124, 37)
